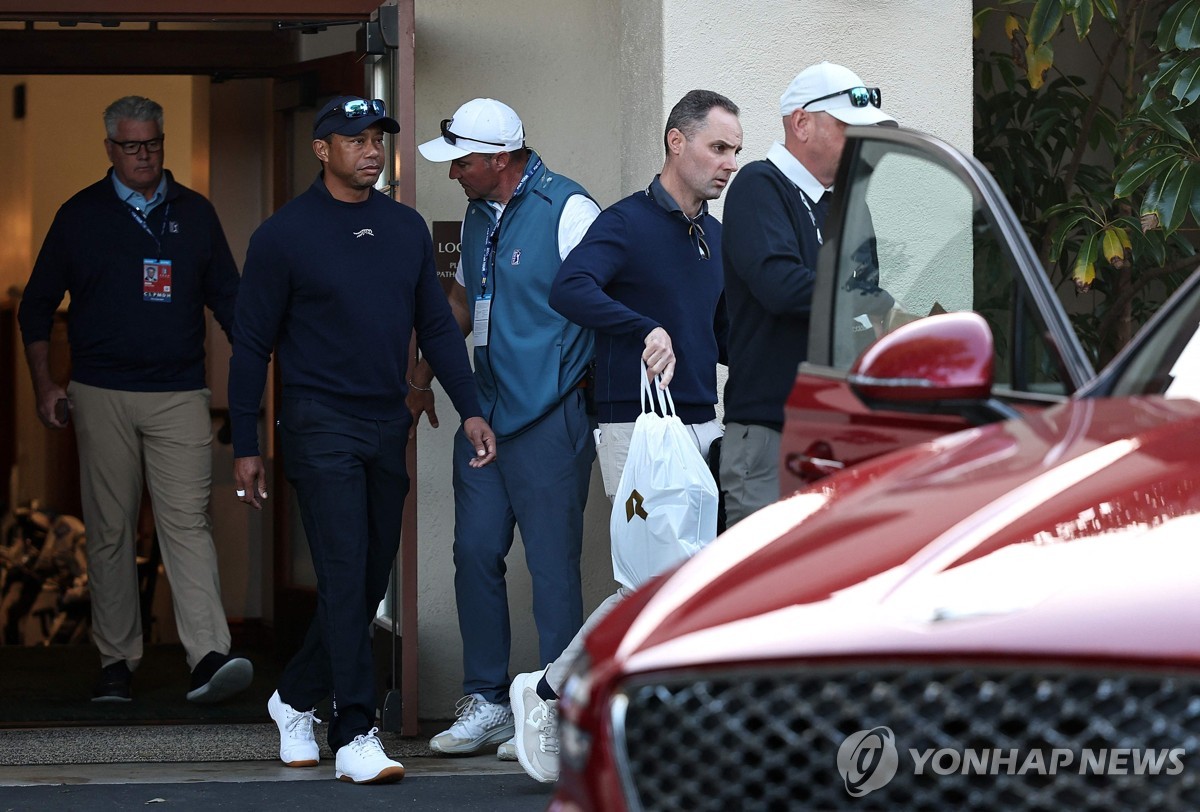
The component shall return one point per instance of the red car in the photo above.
(1004, 617)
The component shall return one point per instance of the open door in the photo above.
(918, 229)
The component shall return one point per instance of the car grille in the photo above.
(769, 740)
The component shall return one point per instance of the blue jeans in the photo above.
(350, 478)
(539, 483)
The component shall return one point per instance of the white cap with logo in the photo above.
(480, 125)
(829, 88)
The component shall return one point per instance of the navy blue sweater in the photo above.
(638, 269)
(770, 257)
(338, 288)
(120, 338)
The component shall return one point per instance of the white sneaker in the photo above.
(508, 750)
(537, 735)
(479, 724)
(297, 744)
(363, 761)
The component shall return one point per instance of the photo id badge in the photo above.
(156, 280)
(483, 314)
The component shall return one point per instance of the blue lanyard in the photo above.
(141, 221)
(493, 235)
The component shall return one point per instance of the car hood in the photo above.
(1074, 533)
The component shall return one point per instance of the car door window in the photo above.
(916, 239)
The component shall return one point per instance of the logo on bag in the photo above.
(633, 506)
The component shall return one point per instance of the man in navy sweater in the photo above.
(142, 256)
(335, 283)
(647, 278)
(774, 213)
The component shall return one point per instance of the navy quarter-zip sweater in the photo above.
(119, 340)
(336, 289)
(638, 268)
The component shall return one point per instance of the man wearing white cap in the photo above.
(774, 212)
(531, 372)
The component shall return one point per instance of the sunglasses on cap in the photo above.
(357, 108)
(859, 97)
(452, 138)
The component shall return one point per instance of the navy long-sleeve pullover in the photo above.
(337, 289)
(121, 337)
(638, 268)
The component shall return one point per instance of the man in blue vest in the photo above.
(531, 369)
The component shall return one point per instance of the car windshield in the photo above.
(1168, 361)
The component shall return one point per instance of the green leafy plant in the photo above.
(1103, 168)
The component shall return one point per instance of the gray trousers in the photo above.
(749, 470)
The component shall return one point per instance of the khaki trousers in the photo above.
(169, 435)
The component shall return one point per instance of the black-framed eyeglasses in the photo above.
(356, 108)
(859, 97)
(134, 147)
(694, 228)
(452, 138)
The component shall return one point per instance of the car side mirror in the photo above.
(941, 363)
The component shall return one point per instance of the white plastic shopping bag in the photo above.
(665, 508)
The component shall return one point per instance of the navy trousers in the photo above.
(350, 480)
(539, 483)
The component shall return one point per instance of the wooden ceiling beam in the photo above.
(187, 10)
(156, 52)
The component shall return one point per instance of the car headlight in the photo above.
(576, 696)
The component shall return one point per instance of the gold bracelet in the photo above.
(419, 388)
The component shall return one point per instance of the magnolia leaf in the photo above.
(1187, 83)
(978, 20)
(1038, 61)
(1168, 122)
(1145, 169)
(1084, 272)
(1107, 9)
(1082, 15)
(1011, 26)
(1113, 249)
(1148, 213)
(1123, 236)
(1180, 27)
(1175, 200)
(1044, 21)
(1060, 234)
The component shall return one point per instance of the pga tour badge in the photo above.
(516, 257)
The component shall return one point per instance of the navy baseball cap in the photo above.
(350, 115)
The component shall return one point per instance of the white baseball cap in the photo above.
(480, 125)
(826, 87)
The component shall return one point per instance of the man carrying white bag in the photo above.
(665, 508)
(648, 279)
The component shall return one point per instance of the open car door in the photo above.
(918, 228)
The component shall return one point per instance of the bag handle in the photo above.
(652, 394)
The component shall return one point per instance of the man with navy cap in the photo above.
(774, 212)
(531, 367)
(335, 282)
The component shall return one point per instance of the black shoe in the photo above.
(113, 684)
(219, 676)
